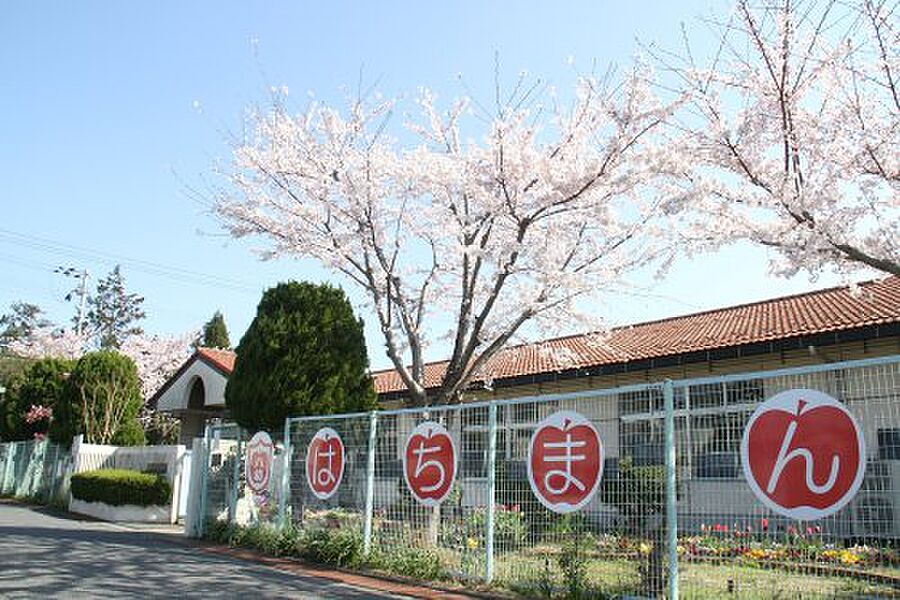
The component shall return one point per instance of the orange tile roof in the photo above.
(836, 309)
(223, 359)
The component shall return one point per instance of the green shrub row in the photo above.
(118, 487)
(335, 547)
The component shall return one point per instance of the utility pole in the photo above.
(83, 275)
(83, 293)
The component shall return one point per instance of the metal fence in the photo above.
(673, 514)
(35, 469)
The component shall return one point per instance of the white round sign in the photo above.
(429, 463)
(803, 454)
(565, 461)
(325, 460)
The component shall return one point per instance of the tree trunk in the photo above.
(434, 525)
(653, 571)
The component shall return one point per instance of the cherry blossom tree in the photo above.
(556, 201)
(51, 342)
(156, 357)
(795, 125)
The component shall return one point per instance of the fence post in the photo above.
(285, 475)
(671, 492)
(204, 482)
(10, 458)
(491, 493)
(77, 442)
(39, 460)
(370, 482)
(48, 490)
(235, 480)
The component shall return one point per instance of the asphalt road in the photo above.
(46, 555)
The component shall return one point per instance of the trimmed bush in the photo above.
(41, 384)
(102, 400)
(303, 354)
(118, 487)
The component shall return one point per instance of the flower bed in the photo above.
(571, 560)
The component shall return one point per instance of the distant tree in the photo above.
(51, 342)
(303, 354)
(113, 313)
(102, 400)
(11, 366)
(19, 323)
(40, 385)
(215, 333)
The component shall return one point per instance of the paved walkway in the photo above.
(45, 555)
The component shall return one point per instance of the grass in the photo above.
(613, 577)
(538, 571)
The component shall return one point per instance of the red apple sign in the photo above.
(803, 454)
(429, 463)
(565, 461)
(325, 460)
(258, 462)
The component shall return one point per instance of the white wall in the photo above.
(89, 457)
(176, 397)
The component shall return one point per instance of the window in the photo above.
(744, 392)
(387, 458)
(473, 441)
(525, 413)
(708, 395)
(641, 401)
(473, 454)
(889, 444)
(643, 442)
(716, 442)
(719, 395)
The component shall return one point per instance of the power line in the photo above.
(153, 268)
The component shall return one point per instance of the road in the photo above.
(49, 555)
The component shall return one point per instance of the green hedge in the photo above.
(118, 487)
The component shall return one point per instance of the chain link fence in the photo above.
(670, 511)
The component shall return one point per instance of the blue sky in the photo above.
(102, 137)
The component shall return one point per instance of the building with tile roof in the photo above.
(840, 323)
(195, 394)
(724, 363)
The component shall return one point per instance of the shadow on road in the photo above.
(48, 556)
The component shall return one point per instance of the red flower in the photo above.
(764, 524)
